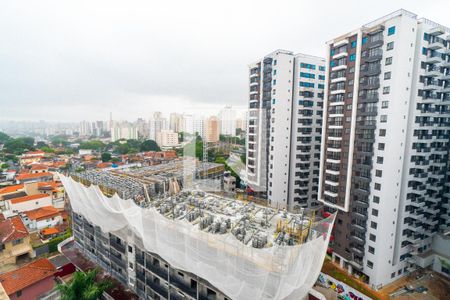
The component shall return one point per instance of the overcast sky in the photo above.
(74, 60)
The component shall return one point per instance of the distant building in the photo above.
(36, 177)
(167, 138)
(212, 129)
(175, 122)
(157, 123)
(30, 281)
(14, 240)
(27, 203)
(123, 130)
(227, 117)
(229, 182)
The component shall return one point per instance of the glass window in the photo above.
(353, 57)
(388, 61)
(353, 44)
(391, 30)
(390, 46)
(364, 40)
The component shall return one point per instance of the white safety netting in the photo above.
(237, 270)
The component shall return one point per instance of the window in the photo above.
(386, 90)
(275, 62)
(321, 68)
(353, 44)
(353, 57)
(393, 275)
(375, 211)
(321, 77)
(373, 225)
(391, 30)
(385, 104)
(383, 118)
(351, 70)
(382, 132)
(307, 75)
(378, 173)
(274, 72)
(131, 265)
(380, 159)
(372, 237)
(19, 293)
(371, 250)
(364, 40)
(381, 146)
(424, 51)
(376, 199)
(130, 249)
(388, 61)
(370, 264)
(17, 242)
(390, 46)
(387, 75)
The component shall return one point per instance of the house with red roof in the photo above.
(30, 281)
(14, 240)
(28, 202)
(36, 177)
(41, 218)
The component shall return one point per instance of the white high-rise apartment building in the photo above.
(167, 138)
(176, 122)
(157, 123)
(385, 144)
(227, 116)
(123, 130)
(284, 128)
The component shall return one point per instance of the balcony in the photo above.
(370, 84)
(338, 68)
(435, 45)
(340, 55)
(331, 194)
(183, 287)
(433, 59)
(118, 246)
(436, 31)
(433, 72)
(161, 272)
(158, 288)
(357, 240)
(118, 261)
(445, 64)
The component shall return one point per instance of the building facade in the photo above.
(284, 128)
(227, 116)
(147, 274)
(385, 143)
(167, 138)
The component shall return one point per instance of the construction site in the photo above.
(240, 249)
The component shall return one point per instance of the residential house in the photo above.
(30, 281)
(14, 240)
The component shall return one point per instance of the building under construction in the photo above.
(188, 244)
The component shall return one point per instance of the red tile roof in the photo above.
(28, 198)
(48, 231)
(11, 189)
(30, 176)
(37, 152)
(27, 275)
(12, 229)
(42, 213)
(36, 167)
(49, 184)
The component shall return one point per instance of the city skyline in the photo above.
(125, 64)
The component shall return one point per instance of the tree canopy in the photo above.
(149, 145)
(84, 287)
(92, 145)
(106, 157)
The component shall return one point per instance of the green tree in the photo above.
(84, 287)
(4, 137)
(47, 150)
(122, 148)
(115, 160)
(19, 145)
(149, 145)
(106, 157)
(92, 145)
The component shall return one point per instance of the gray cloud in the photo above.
(73, 60)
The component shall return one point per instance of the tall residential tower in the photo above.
(385, 143)
(284, 128)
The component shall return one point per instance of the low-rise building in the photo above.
(29, 202)
(36, 177)
(41, 218)
(167, 138)
(30, 281)
(14, 240)
(229, 182)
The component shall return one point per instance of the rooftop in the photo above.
(12, 229)
(28, 198)
(31, 176)
(27, 275)
(42, 213)
(11, 189)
